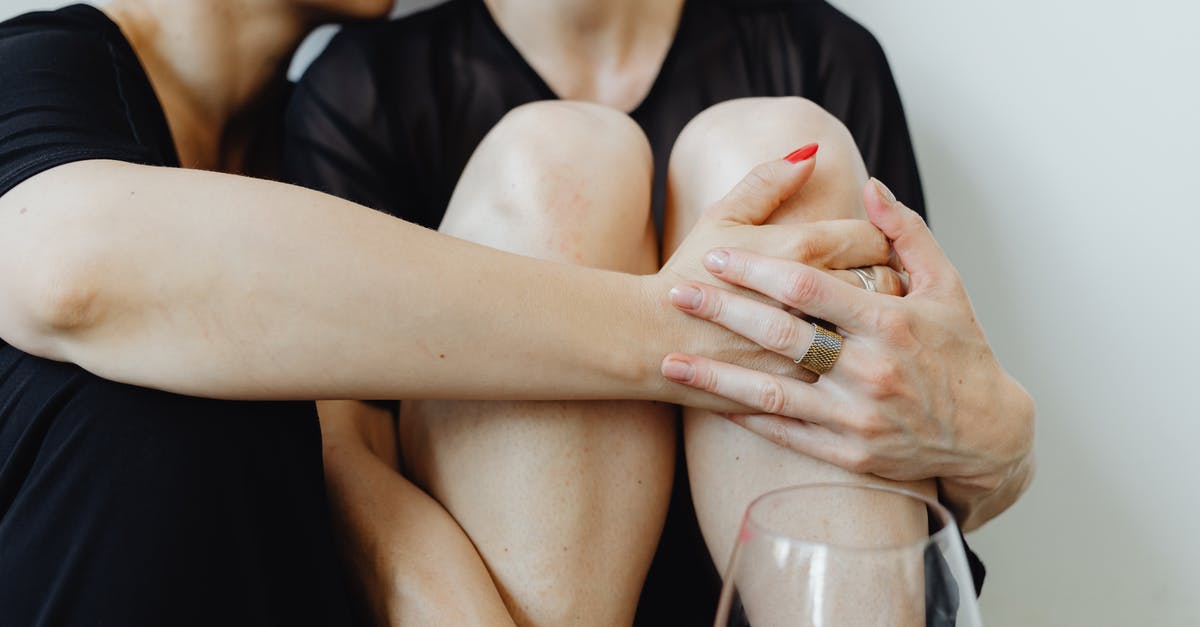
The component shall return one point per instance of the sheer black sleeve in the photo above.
(338, 138)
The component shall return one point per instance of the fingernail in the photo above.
(678, 370)
(883, 190)
(802, 154)
(686, 297)
(716, 260)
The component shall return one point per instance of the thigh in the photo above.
(127, 506)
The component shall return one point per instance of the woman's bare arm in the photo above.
(217, 285)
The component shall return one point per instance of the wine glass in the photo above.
(794, 565)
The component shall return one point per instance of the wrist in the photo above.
(658, 334)
(975, 501)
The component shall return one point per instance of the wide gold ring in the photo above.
(823, 352)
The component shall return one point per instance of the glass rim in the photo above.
(949, 525)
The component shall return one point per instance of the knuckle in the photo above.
(807, 248)
(706, 378)
(778, 434)
(771, 396)
(914, 219)
(880, 243)
(780, 333)
(713, 304)
(858, 459)
(801, 287)
(891, 283)
(759, 182)
(883, 377)
(894, 325)
(872, 425)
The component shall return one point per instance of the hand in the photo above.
(737, 220)
(916, 393)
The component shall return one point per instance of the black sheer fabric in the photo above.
(391, 112)
(389, 115)
(121, 505)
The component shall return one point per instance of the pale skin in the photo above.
(77, 285)
(543, 489)
(208, 284)
(215, 285)
(455, 450)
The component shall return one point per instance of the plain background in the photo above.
(1058, 141)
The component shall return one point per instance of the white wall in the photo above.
(1058, 140)
(1059, 143)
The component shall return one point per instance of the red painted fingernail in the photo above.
(802, 154)
(680, 371)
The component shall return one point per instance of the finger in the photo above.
(764, 324)
(805, 438)
(768, 393)
(760, 192)
(796, 285)
(836, 244)
(916, 248)
(885, 280)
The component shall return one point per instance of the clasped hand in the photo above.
(916, 393)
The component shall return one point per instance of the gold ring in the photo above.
(823, 352)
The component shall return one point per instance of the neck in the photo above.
(213, 64)
(607, 52)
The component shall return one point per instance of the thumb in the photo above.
(760, 192)
(911, 238)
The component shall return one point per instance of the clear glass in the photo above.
(794, 566)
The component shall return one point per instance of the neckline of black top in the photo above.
(526, 68)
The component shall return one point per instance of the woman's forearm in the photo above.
(216, 285)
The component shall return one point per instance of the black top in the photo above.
(121, 505)
(72, 89)
(391, 112)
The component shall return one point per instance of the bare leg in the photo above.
(728, 466)
(412, 563)
(565, 501)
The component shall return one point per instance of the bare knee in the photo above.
(580, 131)
(726, 140)
(757, 129)
(568, 181)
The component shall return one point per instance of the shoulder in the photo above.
(55, 35)
(71, 88)
(835, 37)
(76, 50)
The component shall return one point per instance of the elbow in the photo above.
(54, 253)
(57, 303)
(65, 298)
